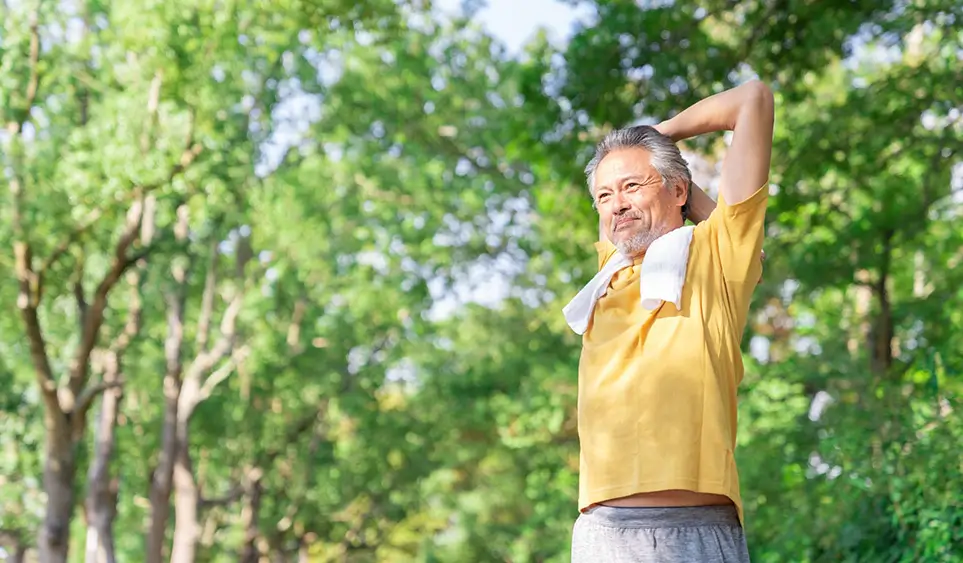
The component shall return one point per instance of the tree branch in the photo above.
(219, 375)
(86, 398)
(28, 298)
(117, 347)
(15, 127)
(881, 331)
(38, 345)
(147, 228)
(153, 102)
(82, 229)
(207, 300)
(81, 300)
(65, 244)
(34, 81)
(233, 495)
(206, 360)
(294, 328)
(176, 297)
(191, 390)
(191, 151)
(122, 341)
(141, 254)
(95, 314)
(134, 315)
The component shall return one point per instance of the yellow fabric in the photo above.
(657, 389)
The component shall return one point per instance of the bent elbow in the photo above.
(759, 96)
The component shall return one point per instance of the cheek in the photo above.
(660, 204)
(644, 203)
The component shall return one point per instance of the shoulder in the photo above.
(740, 221)
(754, 203)
(605, 251)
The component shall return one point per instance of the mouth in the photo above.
(623, 222)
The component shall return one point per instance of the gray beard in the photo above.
(637, 243)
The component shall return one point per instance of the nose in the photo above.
(620, 204)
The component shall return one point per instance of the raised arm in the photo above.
(700, 204)
(747, 111)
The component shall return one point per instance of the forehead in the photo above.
(622, 163)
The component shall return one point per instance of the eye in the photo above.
(632, 186)
(603, 196)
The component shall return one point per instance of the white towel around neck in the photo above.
(661, 278)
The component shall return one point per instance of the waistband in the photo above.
(667, 517)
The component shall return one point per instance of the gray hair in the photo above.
(666, 157)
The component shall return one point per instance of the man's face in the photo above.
(634, 206)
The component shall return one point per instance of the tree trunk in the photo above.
(186, 497)
(881, 331)
(249, 519)
(184, 389)
(161, 481)
(13, 545)
(199, 380)
(276, 547)
(58, 480)
(101, 488)
(59, 461)
(162, 478)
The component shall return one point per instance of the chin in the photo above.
(633, 244)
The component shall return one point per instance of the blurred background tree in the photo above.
(285, 278)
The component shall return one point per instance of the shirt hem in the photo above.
(600, 495)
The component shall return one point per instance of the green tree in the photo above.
(862, 274)
(305, 262)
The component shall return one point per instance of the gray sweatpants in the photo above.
(699, 534)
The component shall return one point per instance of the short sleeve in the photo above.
(736, 234)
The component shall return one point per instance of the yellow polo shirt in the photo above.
(657, 389)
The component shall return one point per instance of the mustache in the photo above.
(626, 215)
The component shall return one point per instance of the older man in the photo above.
(657, 380)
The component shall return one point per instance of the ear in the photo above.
(680, 192)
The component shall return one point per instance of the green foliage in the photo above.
(383, 168)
